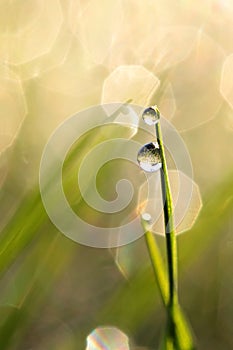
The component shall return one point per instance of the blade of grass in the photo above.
(182, 330)
(208, 222)
(30, 216)
(179, 336)
(157, 265)
(36, 277)
(170, 233)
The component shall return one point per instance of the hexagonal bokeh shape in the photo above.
(130, 258)
(167, 102)
(109, 338)
(28, 29)
(130, 83)
(96, 25)
(187, 203)
(13, 107)
(199, 73)
(226, 86)
(185, 217)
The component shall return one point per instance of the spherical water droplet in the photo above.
(146, 217)
(151, 115)
(149, 157)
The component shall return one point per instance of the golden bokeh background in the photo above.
(59, 57)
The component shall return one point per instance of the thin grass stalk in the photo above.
(178, 335)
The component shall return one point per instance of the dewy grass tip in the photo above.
(178, 335)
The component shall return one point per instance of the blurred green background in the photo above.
(59, 57)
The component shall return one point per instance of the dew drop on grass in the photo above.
(146, 217)
(149, 157)
(151, 115)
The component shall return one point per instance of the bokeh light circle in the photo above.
(51, 179)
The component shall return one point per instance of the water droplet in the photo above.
(146, 217)
(151, 115)
(149, 157)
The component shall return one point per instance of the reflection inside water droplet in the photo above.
(149, 157)
(151, 115)
(107, 338)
